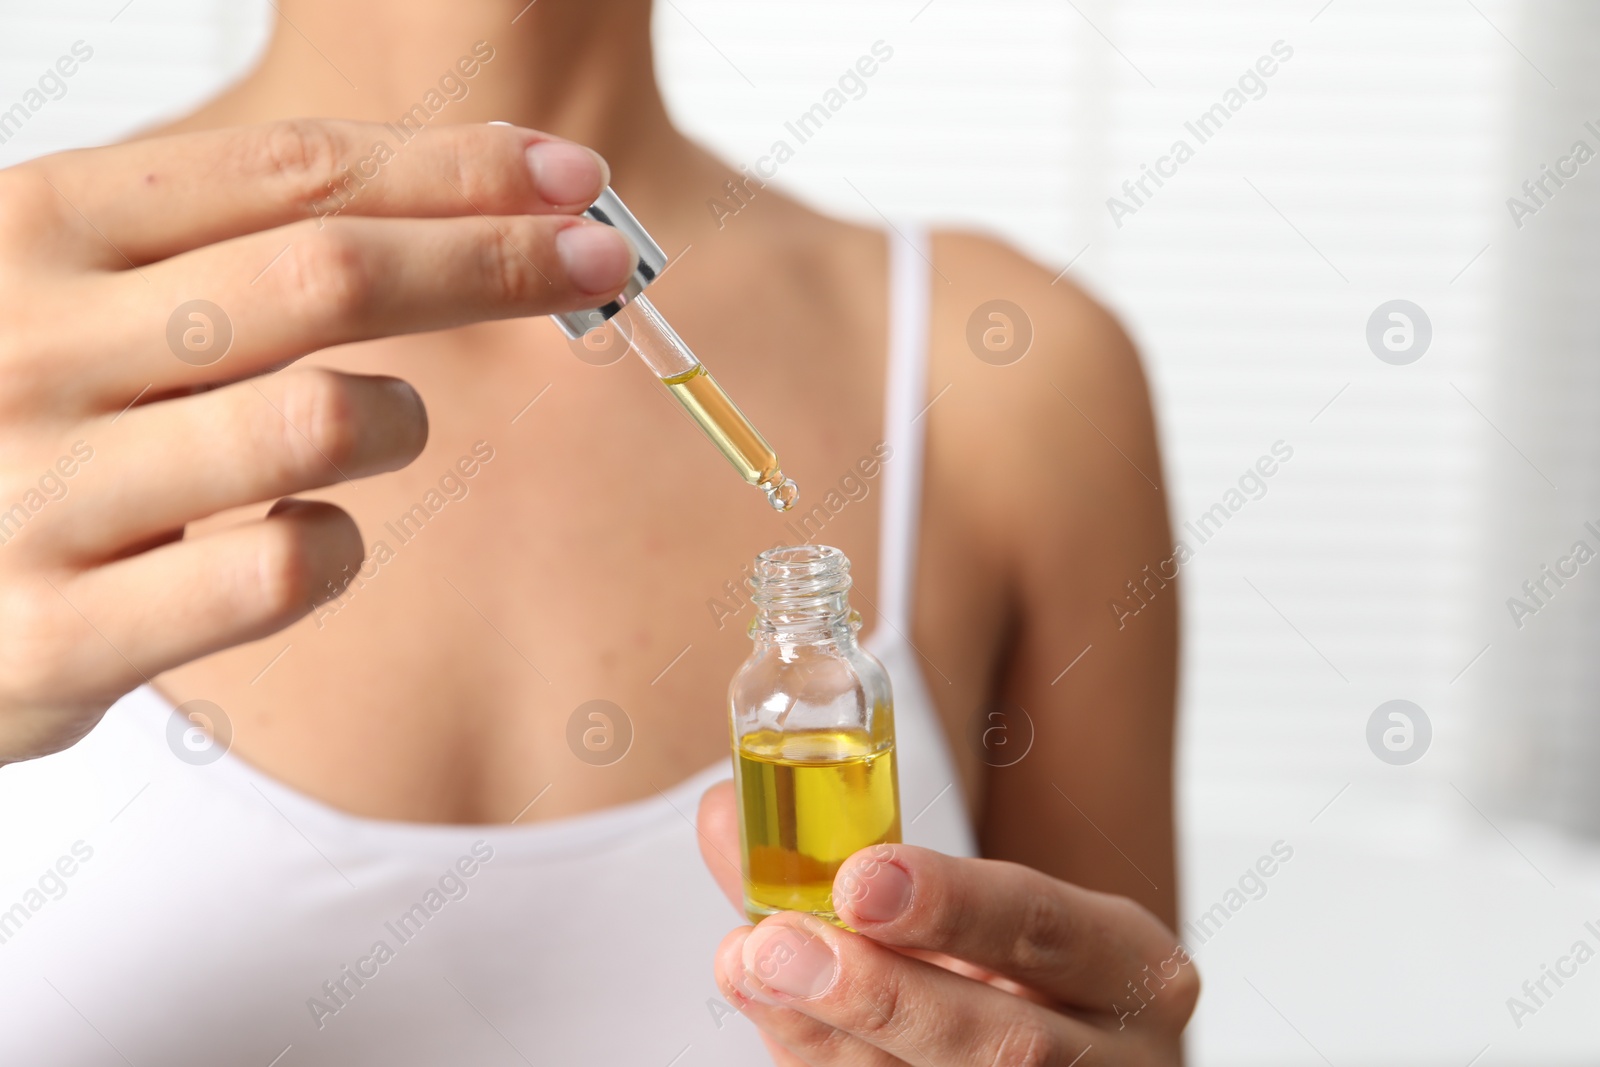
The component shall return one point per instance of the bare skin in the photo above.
(582, 560)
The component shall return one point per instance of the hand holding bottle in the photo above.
(956, 963)
(150, 289)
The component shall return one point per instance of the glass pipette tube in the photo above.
(669, 359)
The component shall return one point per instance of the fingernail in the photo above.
(596, 257)
(884, 890)
(566, 173)
(736, 986)
(786, 961)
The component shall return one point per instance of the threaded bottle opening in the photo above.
(800, 585)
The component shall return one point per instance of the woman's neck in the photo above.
(580, 69)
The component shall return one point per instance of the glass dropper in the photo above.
(663, 351)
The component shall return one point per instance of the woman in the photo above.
(364, 517)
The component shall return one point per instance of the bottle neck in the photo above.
(802, 597)
(833, 624)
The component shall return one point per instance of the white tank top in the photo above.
(153, 912)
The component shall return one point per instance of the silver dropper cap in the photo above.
(610, 209)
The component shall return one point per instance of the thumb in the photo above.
(718, 828)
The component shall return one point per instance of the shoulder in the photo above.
(1045, 416)
(1007, 328)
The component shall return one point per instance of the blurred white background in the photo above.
(1375, 165)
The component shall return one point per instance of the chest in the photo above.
(567, 542)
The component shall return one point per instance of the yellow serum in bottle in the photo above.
(813, 736)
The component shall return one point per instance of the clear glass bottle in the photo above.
(813, 736)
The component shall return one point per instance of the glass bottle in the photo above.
(813, 736)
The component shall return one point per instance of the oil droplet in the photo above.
(781, 494)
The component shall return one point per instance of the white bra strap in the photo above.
(910, 274)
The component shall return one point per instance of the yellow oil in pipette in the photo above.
(687, 379)
(731, 432)
(656, 343)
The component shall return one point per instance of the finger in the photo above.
(903, 1006)
(718, 826)
(1073, 944)
(109, 629)
(792, 1037)
(287, 292)
(169, 463)
(135, 203)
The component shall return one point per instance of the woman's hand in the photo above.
(958, 962)
(148, 291)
